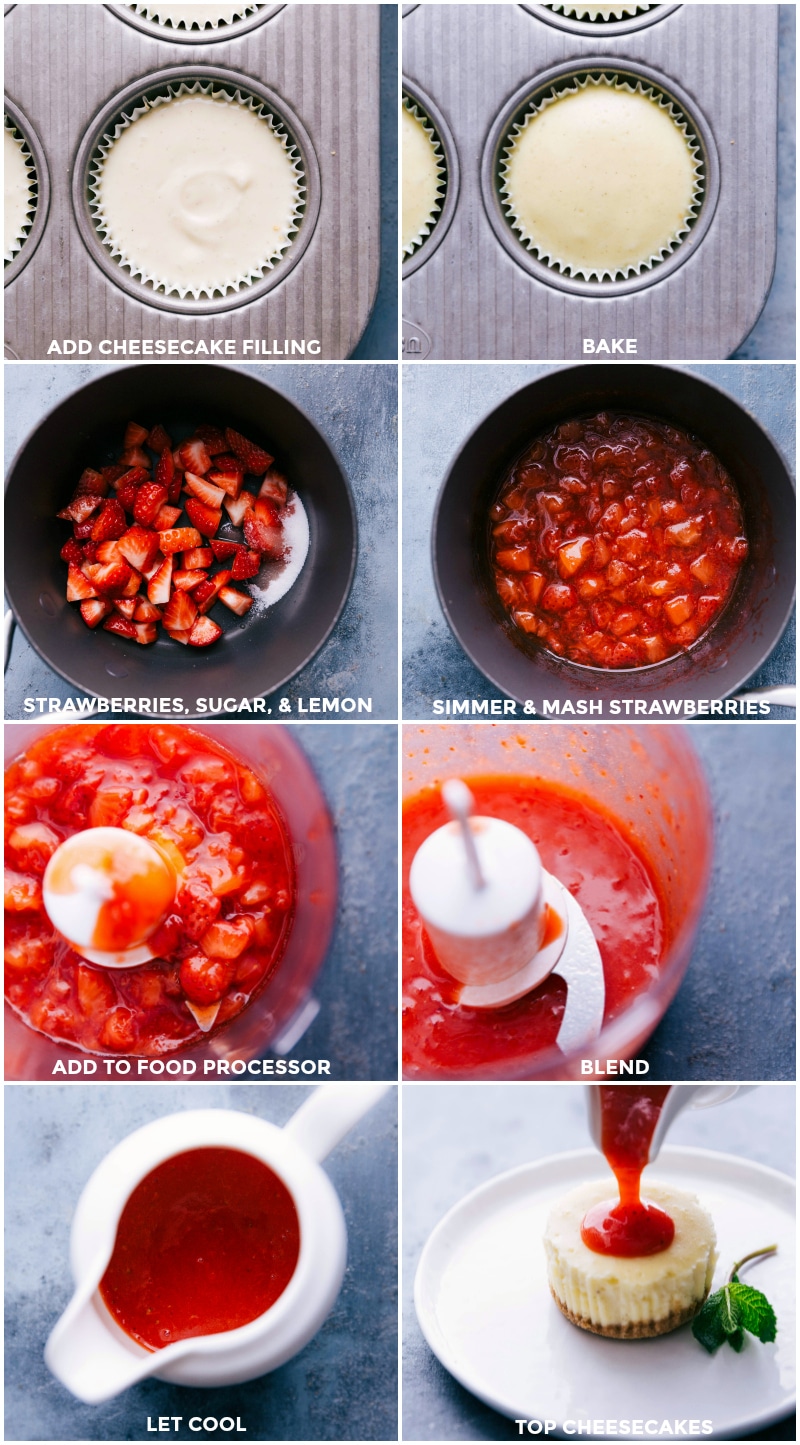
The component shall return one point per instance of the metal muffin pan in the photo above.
(99, 58)
(649, 16)
(477, 296)
(447, 145)
(34, 236)
(228, 30)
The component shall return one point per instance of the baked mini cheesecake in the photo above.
(630, 1298)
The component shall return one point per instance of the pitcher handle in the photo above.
(329, 1114)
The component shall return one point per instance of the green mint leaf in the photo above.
(756, 1312)
(730, 1312)
(707, 1326)
(736, 1339)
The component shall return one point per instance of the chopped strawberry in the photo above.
(205, 595)
(204, 632)
(110, 522)
(139, 547)
(159, 586)
(158, 439)
(194, 457)
(198, 487)
(82, 506)
(126, 607)
(135, 435)
(150, 572)
(204, 518)
(166, 518)
(114, 474)
(182, 637)
(197, 557)
(245, 564)
(252, 458)
(146, 612)
(150, 497)
(197, 906)
(128, 487)
(229, 481)
(222, 548)
(121, 626)
(95, 610)
(108, 578)
(179, 539)
(134, 583)
(72, 551)
(79, 587)
(274, 486)
(227, 937)
(106, 552)
(267, 512)
(213, 439)
(180, 613)
(92, 484)
(146, 632)
(204, 980)
(185, 579)
(237, 601)
(167, 475)
(135, 457)
(238, 507)
(263, 537)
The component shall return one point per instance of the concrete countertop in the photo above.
(441, 406)
(355, 408)
(343, 1385)
(457, 1138)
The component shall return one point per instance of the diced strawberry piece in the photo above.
(185, 580)
(205, 595)
(121, 626)
(198, 487)
(160, 584)
(229, 481)
(126, 607)
(197, 557)
(267, 512)
(204, 518)
(128, 487)
(222, 548)
(91, 484)
(197, 906)
(175, 489)
(135, 435)
(178, 539)
(72, 551)
(166, 518)
(213, 439)
(180, 613)
(150, 572)
(149, 499)
(146, 612)
(251, 457)
(235, 600)
(135, 457)
(274, 486)
(79, 587)
(113, 475)
(204, 980)
(227, 937)
(262, 537)
(245, 564)
(89, 552)
(204, 632)
(106, 552)
(139, 547)
(146, 632)
(81, 507)
(82, 531)
(108, 578)
(182, 637)
(237, 508)
(110, 522)
(194, 457)
(158, 439)
(94, 611)
(134, 583)
(165, 469)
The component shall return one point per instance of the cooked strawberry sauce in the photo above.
(616, 540)
(629, 1114)
(206, 1242)
(221, 830)
(588, 851)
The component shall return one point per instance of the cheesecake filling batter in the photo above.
(423, 178)
(198, 193)
(18, 199)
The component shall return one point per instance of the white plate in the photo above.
(485, 1308)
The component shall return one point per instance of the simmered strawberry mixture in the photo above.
(136, 563)
(221, 830)
(616, 540)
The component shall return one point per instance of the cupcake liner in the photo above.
(218, 92)
(21, 232)
(159, 15)
(601, 12)
(414, 109)
(572, 86)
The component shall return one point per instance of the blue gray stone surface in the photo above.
(355, 408)
(457, 1138)
(343, 1385)
(379, 342)
(442, 404)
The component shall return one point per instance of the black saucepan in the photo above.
(754, 619)
(258, 652)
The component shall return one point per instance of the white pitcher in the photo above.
(680, 1097)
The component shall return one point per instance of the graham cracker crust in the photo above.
(632, 1331)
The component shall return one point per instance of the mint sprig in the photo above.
(734, 1309)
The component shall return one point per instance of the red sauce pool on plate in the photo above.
(594, 858)
(207, 1241)
(632, 1228)
(222, 831)
(616, 540)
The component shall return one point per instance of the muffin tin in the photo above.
(102, 57)
(481, 294)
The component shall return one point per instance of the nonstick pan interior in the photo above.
(754, 619)
(258, 653)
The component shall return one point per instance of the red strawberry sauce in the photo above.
(632, 1228)
(207, 1241)
(221, 830)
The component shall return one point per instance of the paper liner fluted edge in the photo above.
(174, 91)
(427, 125)
(571, 86)
(589, 12)
(18, 241)
(151, 13)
